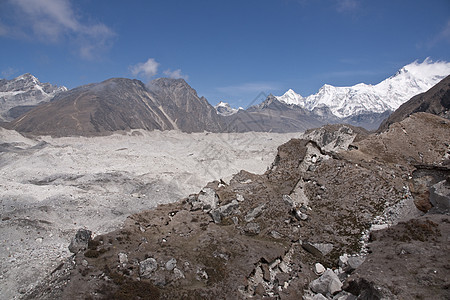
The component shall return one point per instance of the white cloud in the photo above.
(175, 74)
(147, 69)
(55, 21)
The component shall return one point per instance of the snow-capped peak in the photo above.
(224, 109)
(24, 90)
(412, 79)
(291, 97)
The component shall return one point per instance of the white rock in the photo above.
(319, 269)
(123, 258)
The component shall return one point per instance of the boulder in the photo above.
(328, 283)
(171, 264)
(208, 199)
(147, 267)
(254, 213)
(80, 241)
(223, 211)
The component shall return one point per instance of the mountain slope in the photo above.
(273, 116)
(435, 101)
(22, 93)
(120, 104)
(362, 98)
(180, 103)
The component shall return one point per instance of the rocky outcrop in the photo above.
(264, 235)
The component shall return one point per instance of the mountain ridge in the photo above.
(22, 93)
(389, 94)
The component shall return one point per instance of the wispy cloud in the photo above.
(8, 72)
(442, 36)
(175, 74)
(146, 69)
(55, 21)
(347, 5)
(249, 87)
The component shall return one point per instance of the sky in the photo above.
(232, 51)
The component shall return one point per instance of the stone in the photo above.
(254, 213)
(223, 211)
(299, 215)
(266, 272)
(259, 290)
(354, 262)
(327, 283)
(252, 229)
(319, 297)
(318, 249)
(343, 295)
(440, 195)
(147, 267)
(178, 273)
(282, 278)
(319, 269)
(80, 241)
(171, 264)
(123, 258)
(239, 197)
(208, 199)
(343, 259)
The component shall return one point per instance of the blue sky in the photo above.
(226, 50)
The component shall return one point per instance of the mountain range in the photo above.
(388, 95)
(171, 104)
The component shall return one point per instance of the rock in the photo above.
(252, 229)
(259, 290)
(319, 297)
(300, 215)
(223, 211)
(239, 198)
(317, 249)
(354, 262)
(208, 199)
(123, 258)
(178, 273)
(343, 259)
(327, 283)
(440, 195)
(283, 267)
(171, 264)
(84, 263)
(254, 213)
(266, 272)
(319, 269)
(80, 241)
(147, 267)
(343, 295)
(282, 278)
(288, 200)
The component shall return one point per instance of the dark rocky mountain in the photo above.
(23, 93)
(273, 116)
(435, 101)
(333, 218)
(120, 104)
(180, 102)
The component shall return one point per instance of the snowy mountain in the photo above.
(24, 91)
(387, 95)
(224, 109)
